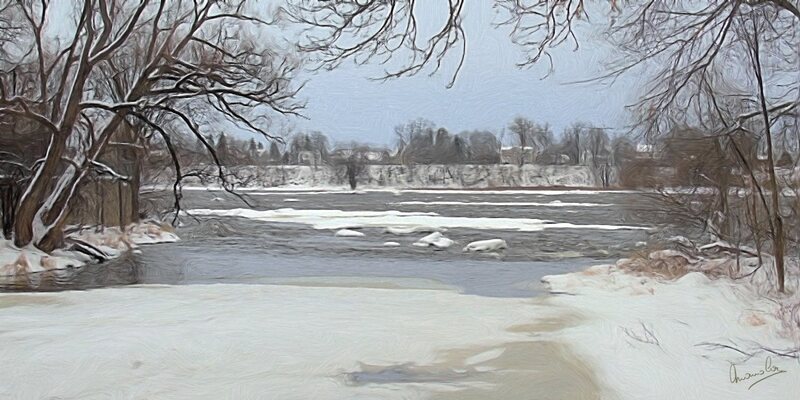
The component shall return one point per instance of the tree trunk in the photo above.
(34, 195)
(779, 241)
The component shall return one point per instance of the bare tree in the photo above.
(415, 141)
(484, 147)
(352, 160)
(124, 63)
(531, 137)
(691, 49)
(372, 30)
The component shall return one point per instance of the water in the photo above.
(238, 250)
(242, 308)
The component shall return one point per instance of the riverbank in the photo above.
(85, 245)
(664, 335)
(402, 176)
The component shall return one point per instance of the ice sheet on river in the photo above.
(340, 219)
(554, 203)
(245, 341)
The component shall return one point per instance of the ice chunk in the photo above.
(348, 233)
(435, 239)
(405, 230)
(391, 244)
(486, 245)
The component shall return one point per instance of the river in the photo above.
(249, 308)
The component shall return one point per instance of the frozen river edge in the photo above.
(605, 333)
(294, 342)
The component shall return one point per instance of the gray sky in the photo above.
(489, 92)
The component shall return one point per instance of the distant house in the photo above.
(645, 150)
(308, 157)
(373, 156)
(517, 155)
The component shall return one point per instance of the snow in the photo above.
(524, 192)
(397, 221)
(486, 245)
(316, 190)
(554, 203)
(245, 341)
(120, 240)
(348, 233)
(662, 339)
(391, 244)
(405, 230)
(15, 261)
(112, 242)
(435, 239)
(408, 176)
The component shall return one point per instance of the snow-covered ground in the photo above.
(341, 219)
(650, 338)
(266, 341)
(104, 241)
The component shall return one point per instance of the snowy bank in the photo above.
(658, 328)
(411, 176)
(85, 245)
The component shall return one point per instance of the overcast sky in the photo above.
(489, 91)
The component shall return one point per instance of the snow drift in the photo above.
(673, 325)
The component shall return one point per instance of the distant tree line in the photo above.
(679, 158)
(418, 141)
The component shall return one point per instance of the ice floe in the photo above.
(486, 245)
(555, 203)
(348, 233)
(435, 239)
(398, 221)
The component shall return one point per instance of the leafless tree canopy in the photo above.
(148, 64)
(377, 30)
(727, 67)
